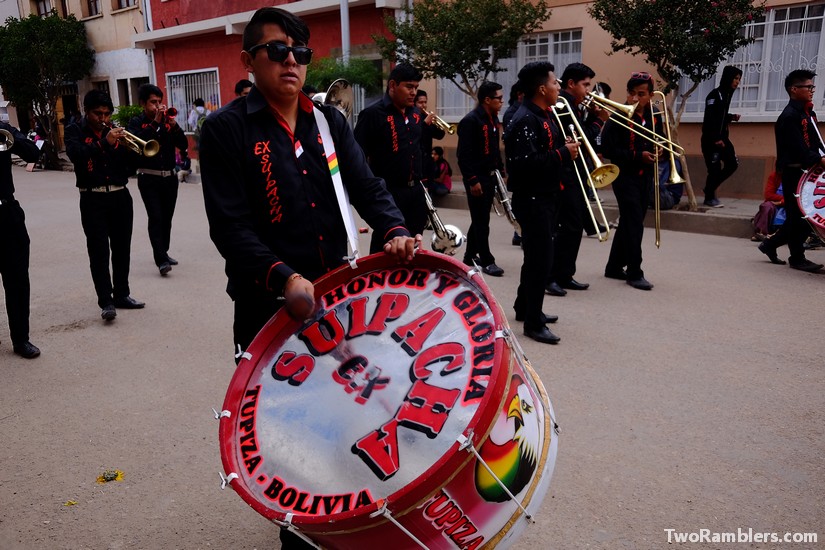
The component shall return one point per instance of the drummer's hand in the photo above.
(299, 295)
(403, 248)
(822, 162)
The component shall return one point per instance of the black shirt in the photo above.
(478, 147)
(535, 151)
(391, 139)
(96, 162)
(169, 138)
(797, 142)
(24, 148)
(591, 128)
(269, 196)
(717, 118)
(625, 148)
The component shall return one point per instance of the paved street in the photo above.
(699, 405)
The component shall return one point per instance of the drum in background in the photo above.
(403, 412)
(811, 197)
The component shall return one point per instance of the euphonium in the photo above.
(503, 199)
(6, 140)
(447, 239)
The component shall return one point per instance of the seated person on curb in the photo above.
(766, 218)
(442, 182)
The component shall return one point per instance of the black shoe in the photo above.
(770, 252)
(164, 268)
(542, 335)
(620, 275)
(573, 284)
(493, 270)
(128, 303)
(545, 318)
(806, 265)
(171, 261)
(108, 313)
(27, 350)
(641, 283)
(714, 203)
(516, 239)
(554, 289)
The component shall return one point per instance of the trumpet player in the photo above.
(429, 132)
(575, 83)
(536, 152)
(157, 181)
(101, 168)
(636, 161)
(478, 156)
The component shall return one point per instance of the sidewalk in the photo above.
(734, 220)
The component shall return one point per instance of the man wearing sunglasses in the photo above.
(798, 147)
(389, 131)
(268, 188)
(478, 156)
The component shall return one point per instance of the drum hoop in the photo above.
(811, 175)
(414, 492)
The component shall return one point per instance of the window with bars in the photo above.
(785, 39)
(559, 47)
(185, 88)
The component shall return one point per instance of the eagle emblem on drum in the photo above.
(511, 450)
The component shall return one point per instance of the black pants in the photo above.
(251, 314)
(721, 164)
(14, 269)
(478, 235)
(569, 232)
(160, 195)
(107, 222)
(795, 229)
(537, 216)
(626, 251)
(410, 200)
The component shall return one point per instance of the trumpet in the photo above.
(6, 140)
(146, 148)
(442, 124)
(171, 113)
(597, 177)
(502, 198)
(447, 239)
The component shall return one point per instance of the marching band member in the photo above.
(15, 245)
(478, 156)
(157, 181)
(575, 83)
(429, 132)
(389, 132)
(536, 153)
(635, 159)
(798, 147)
(101, 167)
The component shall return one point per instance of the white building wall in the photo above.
(116, 65)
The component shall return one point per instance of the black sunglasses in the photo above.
(278, 52)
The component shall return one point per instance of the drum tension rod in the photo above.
(226, 480)
(222, 414)
(384, 511)
(242, 354)
(289, 526)
(465, 442)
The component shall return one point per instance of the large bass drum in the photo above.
(403, 414)
(811, 197)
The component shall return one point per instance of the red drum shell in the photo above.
(355, 526)
(810, 196)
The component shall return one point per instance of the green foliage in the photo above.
(324, 71)
(678, 37)
(37, 56)
(126, 113)
(461, 40)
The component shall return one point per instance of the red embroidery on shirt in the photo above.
(805, 135)
(261, 150)
(486, 131)
(391, 120)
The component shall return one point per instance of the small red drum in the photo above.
(811, 197)
(402, 414)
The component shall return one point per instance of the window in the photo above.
(102, 85)
(122, 4)
(185, 88)
(93, 7)
(785, 39)
(559, 47)
(42, 7)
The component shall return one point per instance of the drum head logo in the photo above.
(511, 451)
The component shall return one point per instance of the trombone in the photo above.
(601, 176)
(674, 174)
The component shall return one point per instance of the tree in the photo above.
(37, 57)
(461, 40)
(324, 71)
(679, 38)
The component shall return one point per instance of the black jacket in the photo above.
(23, 148)
(624, 148)
(169, 138)
(96, 163)
(798, 146)
(535, 151)
(478, 147)
(269, 197)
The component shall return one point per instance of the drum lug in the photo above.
(222, 414)
(289, 526)
(226, 480)
(507, 335)
(384, 511)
